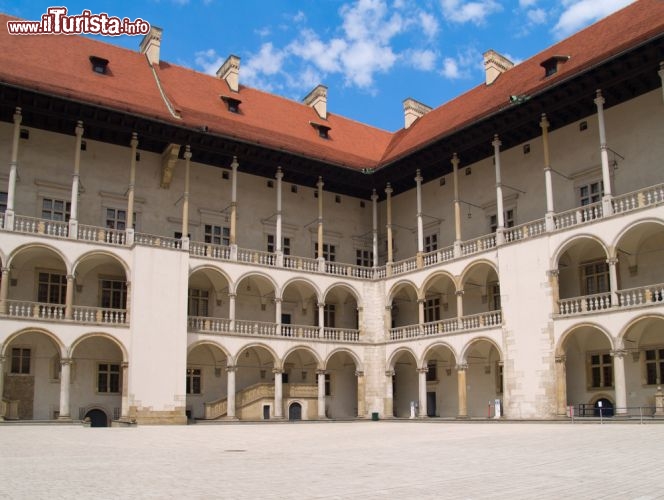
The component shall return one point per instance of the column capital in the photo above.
(421, 301)
(423, 369)
(280, 174)
(66, 361)
(612, 261)
(462, 367)
(71, 277)
(359, 373)
(278, 300)
(561, 359)
(496, 141)
(320, 183)
(124, 365)
(320, 304)
(388, 189)
(187, 152)
(389, 373)
(277, 371)
(459, 293)
(134, 140)
(455, 160)
(374, 195)
(599, 100)
(5, 269)
(388, 307)
(232, 296)
(544, 122)
(234, 163)
(418, 176)
(17, 115)
(231, 368)
(553, 273)
(79, 128)
(619, 353)
(2, 359)
(321, 372)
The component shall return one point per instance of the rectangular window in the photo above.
(217, 235)
(117, 219)
(431, 310)
(330, 315)
(432, 371)
(590, 193)
(193, 380)
(51, 288)
(20, 361)
(595, 277)
(108, 378)
(508, 216)
(113, 294)
(431, 243)
(364, 258)
(328, 384)
(654, 366)
(3, 202)
(53, 209)
(198, 302)
(285, 244)
(494, 296)
(499, 377)
(329, 252)
(601, 370)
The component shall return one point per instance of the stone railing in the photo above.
(478, 245)
(482, 320)
(632, 297)
(404, 332)
(26, 309)
(404, 266)
(300, 263)
(152, 240)
(216, 409)
(488, 319)
(442, 326)
(638, 199)
(256, 257)
(301, 390)
(641, 296)
(586, 303)
(341, 334)
(579, 215)
(24, 224)
(260, 328)
(523, 231)
(300, 331)
(100, 315)
(341, 269)
(208, 325)
(438, 256)
(101, 235)
(218, 252)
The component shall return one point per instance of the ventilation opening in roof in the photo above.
(552, 64)
(323, 130)
(99, 64)
(232, 103)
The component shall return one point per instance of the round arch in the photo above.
(573, 240)
(278, 362)
(401, 285)
(633, 226)
(295, 281)
(433, 277)
(86, 336)
(436, 345)
(358, 362)
(620, 338)
(395, 355)
(471, 267)
(471, 342)
(345, 286)
(252, 274)
(19, 251)
(213, 269)
(54, 338)
(101, 253)
(316, 356)
(211, 343)
(560, 351)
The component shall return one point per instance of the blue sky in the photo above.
(371, 54)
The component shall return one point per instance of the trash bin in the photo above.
(374, 416)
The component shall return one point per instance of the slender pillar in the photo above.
(604, 155)
(278, 394)
(65, 380)
(73, 216)
(277, 315)
(69, 297)
(278, 244)
(420, 315)
(185, 202)
(661, 77)
(130, 192)
(457, 206)
(128, 304)
(2, 382)
(230, 391)
(4, 292)
(124, 405)
(420, 227)
(459, 301)
(231, 310)
(619, 381)
(500, 230)
(233, 235)
(13, 171)
(461, 385)
(321, 394)
(388, 192)
(388, 319)
(613, 280)
(548, 182)
(422, 386)
(374, 227)
(361, 394)
(388, 404)
(561, 386)
(555, 289)
(321, 319)
(319, 186)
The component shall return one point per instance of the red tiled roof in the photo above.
(60, 65)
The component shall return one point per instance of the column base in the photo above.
(462, 417)
(230, 419)
(64, 418)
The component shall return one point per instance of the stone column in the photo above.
(548, 182)
(374, 227)
(185, 198)
(2, 383)
(388, 319)
(278, 236)
(277, 315)
(4, 292)
(661, 77)
(389, 396)
(65, 380)
(69, 297)
(13, 171)
(619, 381)
(321, 319)
(321, 259)
(420, 315)
(561, 386)
(613, 280)
(73, 217)
(500, 230)
(459, 301)
(321, 394)
(457, 206)
(231, 311)
(128, 305)
(422, 386)
(124, 406)
(607, 207)
(130, 192)
(461, 381)
(230, 391)
(233, 235)
(361, 395)
(420, 227)
(278, 394)
(388, 192)
(555, 289)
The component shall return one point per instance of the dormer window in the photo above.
(552, 64)
(232, 103)
(323, 130)
(99, 64)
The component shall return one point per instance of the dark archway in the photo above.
(97, 418)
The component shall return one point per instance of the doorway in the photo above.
(97, 418)
(431, 404)
(295, 411)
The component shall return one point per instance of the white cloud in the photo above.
(424, 60)
(527, 3)
(429, 24)
(536, 16)
(476, 12)
(363, 59)
(267, 62)
(450, 69)
(580, 13)
(325, 56)
(467, 61)
(209, 61)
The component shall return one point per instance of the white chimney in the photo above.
(413, 110)
(495, 65)
(230, 71)
(317, 99)
(151, 44)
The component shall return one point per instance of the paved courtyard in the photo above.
(334, 460)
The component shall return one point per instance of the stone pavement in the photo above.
(360, 460)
